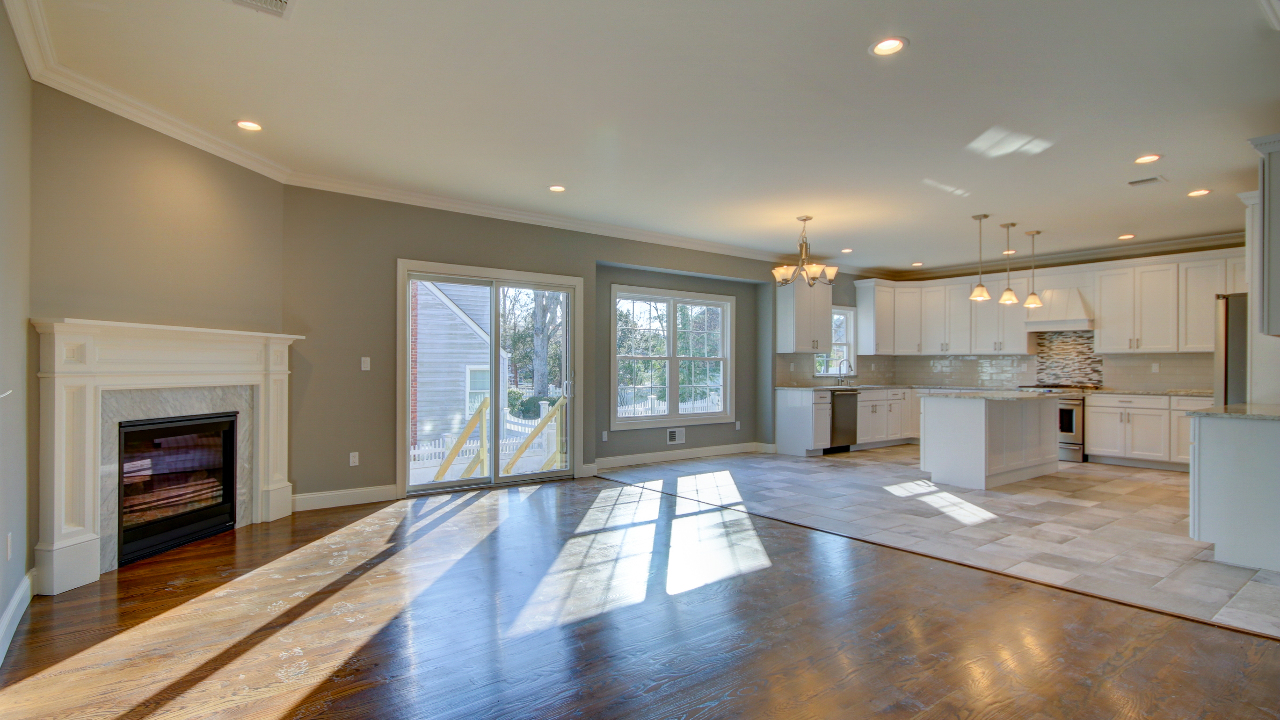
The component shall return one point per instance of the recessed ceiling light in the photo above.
(888, 46)
(1009, 252)
(1198, 193)
(847, 250)
(248, 125)
(1127, 236)
(1147, 159)
(917, 264)
(556, 188)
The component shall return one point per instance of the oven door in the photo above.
(1071, 422)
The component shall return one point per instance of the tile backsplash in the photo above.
(1062, 358)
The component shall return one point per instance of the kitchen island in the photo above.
(985, 439)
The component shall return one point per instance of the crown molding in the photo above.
(32, 31)
(1253, 197)
(1074, 257)
(466, 207)
(1266, 144)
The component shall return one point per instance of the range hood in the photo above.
(1064, 309)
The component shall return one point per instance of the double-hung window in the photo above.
(672, 358)
(844, 334)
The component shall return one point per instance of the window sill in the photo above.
(616, 424)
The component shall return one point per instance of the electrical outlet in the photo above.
(364, 363)
(873, 366)
(604, 436)
(355, 459)
(1155, 367)
(793, 367)
(737, 425)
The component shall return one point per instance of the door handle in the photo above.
(567, 388)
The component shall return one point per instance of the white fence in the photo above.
(425, 458)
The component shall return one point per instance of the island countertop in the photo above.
(1241, 411)
(1000, 395)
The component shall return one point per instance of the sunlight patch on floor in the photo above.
(711, 546)
(713, 488)
(915, 487)
(626, 505)
(958, 508)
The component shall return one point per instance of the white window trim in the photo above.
(466, 399)
(673, 418)
(851, 332)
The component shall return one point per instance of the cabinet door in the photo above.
(1113, 314)
(1013, 322)
(820, 317)
(911, 415)
(1237, 277)
(884, 320)
(906, 321)
(821, 427)
(1147, 434)
(1199, 285)
(866, 422)
(1104, 431)
(1179, 437)
(959, 319)
(933, 320)
(895, 419)
(986, 327)
(1156, 312)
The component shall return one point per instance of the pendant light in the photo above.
(980, 292)
(809, 269)
(1033, 300)
(1008, 297)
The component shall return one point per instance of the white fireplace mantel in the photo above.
(80, 359)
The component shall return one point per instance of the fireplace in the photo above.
(177, 482)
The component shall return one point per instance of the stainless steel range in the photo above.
(1070, 420)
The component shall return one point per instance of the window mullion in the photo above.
(673, 363)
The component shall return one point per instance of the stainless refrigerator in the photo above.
(1231, 355)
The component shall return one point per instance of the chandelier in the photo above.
(809, 269)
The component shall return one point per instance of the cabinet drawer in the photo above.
(1149, 402)
(866, 395)
(895, 394)
(1190, 403)
(821, 397)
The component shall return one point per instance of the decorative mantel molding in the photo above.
(80, 359)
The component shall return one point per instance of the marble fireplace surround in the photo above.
(95, 373)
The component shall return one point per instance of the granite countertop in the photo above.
(998, 395)
(1174, 393)
(1241, 411)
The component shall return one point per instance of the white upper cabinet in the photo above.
(804, 318)
(906, 321)
(1237, 276)
(1199, 285)
(933, 320)
(1156, 310)
(1001, 329)
(1137, 310)
(875, 317)
(959, 319)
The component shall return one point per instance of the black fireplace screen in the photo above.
(177, 481)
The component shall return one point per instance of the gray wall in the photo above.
(747, 367)
(340, 273)
(17, 498)
(131, 225)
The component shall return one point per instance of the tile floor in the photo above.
(1110, 531)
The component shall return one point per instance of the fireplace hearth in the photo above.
(177, 482)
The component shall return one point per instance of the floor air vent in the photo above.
(273, 7)
(675, 436)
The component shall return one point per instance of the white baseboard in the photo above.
(606, 463)
(13, 610)
(339, 498)
(586, 470)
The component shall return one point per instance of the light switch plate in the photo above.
(1155, 367)
(604, 436)
(355, 459)
(737, 425)
(364, 363)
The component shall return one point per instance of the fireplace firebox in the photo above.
(177, 482)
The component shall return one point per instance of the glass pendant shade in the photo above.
(980, 293)
(1008, 297)
(830, 271)
(1033, 301)
(783, 272)
(813, 271)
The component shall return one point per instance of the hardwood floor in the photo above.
(598, 600)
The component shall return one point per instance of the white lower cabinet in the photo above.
(802, 420)
(883, 415)
(911, 415)
(895, 419)
(1180, 425)
(1130, 426)
(872, 425)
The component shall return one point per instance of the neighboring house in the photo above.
(451, 359)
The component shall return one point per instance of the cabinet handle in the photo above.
(1130, 343)
(1139, 342)
(917, 347)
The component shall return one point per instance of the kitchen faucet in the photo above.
(844, 362)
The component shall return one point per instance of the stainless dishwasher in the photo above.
(844, 417)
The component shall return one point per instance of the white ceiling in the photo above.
(722, 120)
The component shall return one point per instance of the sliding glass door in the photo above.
(489, 381)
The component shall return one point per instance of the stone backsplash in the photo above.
(1066, 358)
